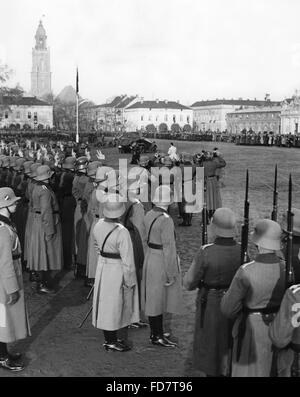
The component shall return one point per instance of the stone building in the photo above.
(143, 113)
(25, 111)
(40, 73)
(290, 115)
(260, 119)
(211, 115)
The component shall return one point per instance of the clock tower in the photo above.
(40, 73)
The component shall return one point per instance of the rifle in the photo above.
(289, 274)
(275, 198)
(245, 226)
(204, 218)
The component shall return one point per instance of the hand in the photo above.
(73, 154)
(20, 153)
(99, 155)
(31, 154)
(38, 154)
(13, 298)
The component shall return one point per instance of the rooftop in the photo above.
(22, 101)
(262, 109)
(157, 105)
(238, 102)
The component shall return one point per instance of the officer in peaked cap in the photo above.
(253, 299)
(13, 320)
(212, 271)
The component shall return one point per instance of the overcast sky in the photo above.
(183, 50)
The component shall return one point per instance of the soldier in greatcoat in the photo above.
(161, 280)
(45, 248)
(252, 301)
(14, 323)
(115, 302)
(212, 194)
(67, 205)
(285, 334)
(85, 224)
(211, 272)
(79, 182)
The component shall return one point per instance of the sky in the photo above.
(185, 50)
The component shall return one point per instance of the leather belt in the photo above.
(215, 287)
(15, 257)
(242, 326)
(208, 288)
(110, 255)
(155, 246)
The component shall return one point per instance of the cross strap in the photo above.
(154, 220)
(111, 255)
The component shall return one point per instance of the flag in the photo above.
(77, 82)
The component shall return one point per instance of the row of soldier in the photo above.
(267, 139)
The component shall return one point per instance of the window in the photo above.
(166, 117)
(149, 117)
(29, 115)
(18, 115)
(142, 118)
(188, 119)
(6, 115)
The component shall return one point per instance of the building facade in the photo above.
(290, 116)
(25, 111)
(143, 113)
(40, 73)
(260, 119)
(211, 115)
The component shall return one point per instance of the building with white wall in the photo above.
(143, 113)
(211, 115)
(24, 111)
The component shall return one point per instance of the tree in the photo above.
(163, 127)
(187, 128)
(175, 128)
(151, 128)
(5, 73)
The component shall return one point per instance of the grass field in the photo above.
(260, 161)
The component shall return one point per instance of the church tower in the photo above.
(40, 74)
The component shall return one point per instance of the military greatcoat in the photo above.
(253, 299)
(161, 266)
(45, 247)
(211, 272)
(14, 323)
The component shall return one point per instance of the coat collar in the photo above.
(267, 258)
(228, 241)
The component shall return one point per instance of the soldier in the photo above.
(211, 272)
(253, 299)
(95, 212)
(14, 323)
(79, 183)
(161, 281)
(213, 195)
(115, 302)
(285, 333)
(145, 178)
(67, 205)
(183, 206)
(45, 248)
(85, 225)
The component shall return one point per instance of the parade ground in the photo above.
(58, 347)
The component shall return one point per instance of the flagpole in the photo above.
(77, 106)
(77, 127)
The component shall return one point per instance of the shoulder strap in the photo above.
(108, 236)
(154, 220)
